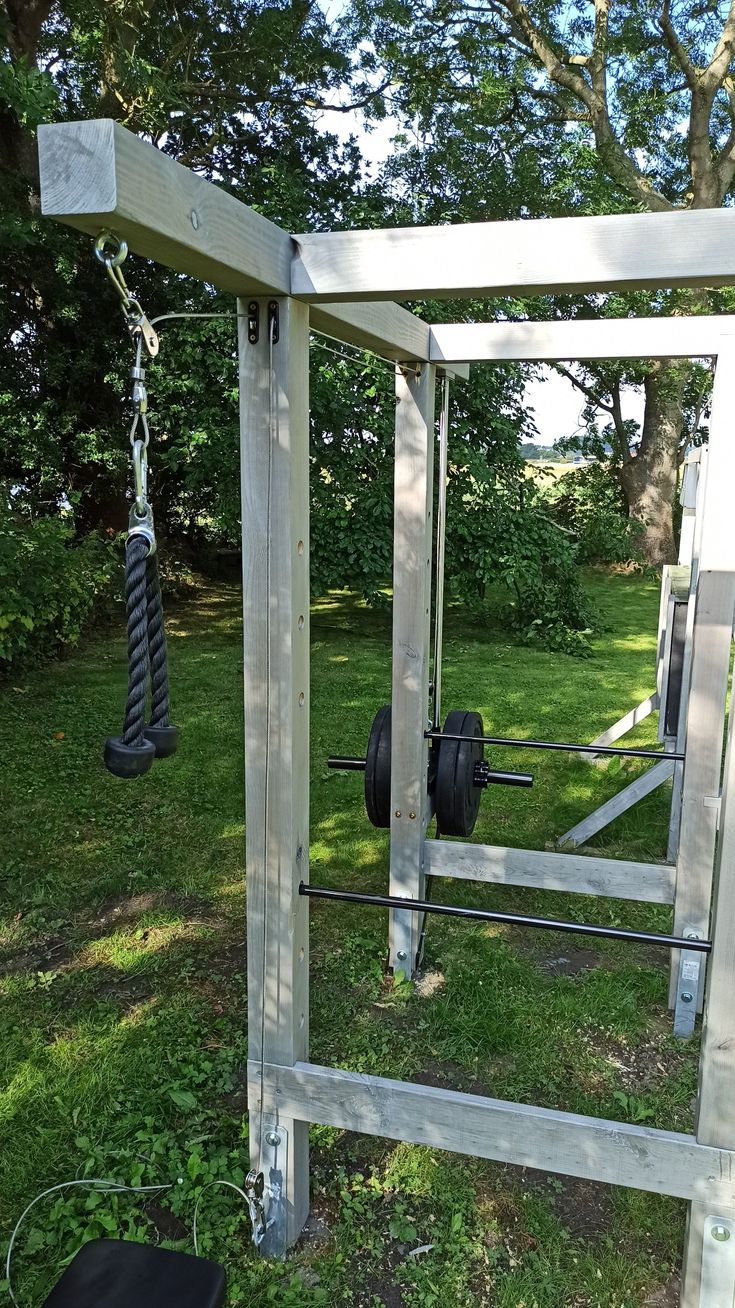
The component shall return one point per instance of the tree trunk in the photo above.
(649, 479)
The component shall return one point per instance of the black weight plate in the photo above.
(457, 797)
(377, 769)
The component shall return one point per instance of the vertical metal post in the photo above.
(274, 425)
(441, 533)
(412, 550)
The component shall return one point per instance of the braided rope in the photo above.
(157, 647)
(136, 553)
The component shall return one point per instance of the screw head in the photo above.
(402, 955)
(686, 997)
(412, 815)
(720, 1232)
(398, 812)
(272, 1138)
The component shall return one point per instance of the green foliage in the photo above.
(503, 548)
(49, 585)
(589, 503)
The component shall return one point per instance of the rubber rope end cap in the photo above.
(164, 739)
(128, 760)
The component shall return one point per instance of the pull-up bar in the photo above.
(511, 919)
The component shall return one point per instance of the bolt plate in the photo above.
(274, 1166)
(717, 1288)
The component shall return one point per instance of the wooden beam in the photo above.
(626, 798)
(618, 1153)
(574, 873)
(606, 338)
(412, 550)
(540, 256)
(716, 1102)
(274, 425)
(97, 174)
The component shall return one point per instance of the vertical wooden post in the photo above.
(709, 1253)
(412, 542)
(710, 661)
(274, 426)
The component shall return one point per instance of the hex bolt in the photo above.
(720, 1232)
(686, 997)
(412, 815)
(273, 1139)
(402, 955)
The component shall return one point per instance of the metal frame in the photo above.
(96, 174)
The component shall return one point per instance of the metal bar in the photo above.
(552, 744)
(347, 764)
(512, 919)
(487, 776)
(441, 530)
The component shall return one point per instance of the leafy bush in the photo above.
(502, 548)
(49, 585)
(590, 503)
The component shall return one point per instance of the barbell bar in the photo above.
(510, 919)
(557, 744)
(483, 774)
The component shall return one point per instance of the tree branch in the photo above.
(619, 165)
(584, 388)
(681, 55)
(714, 74)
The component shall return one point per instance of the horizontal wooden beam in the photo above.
(97, 174)
(605, 338)
(574, 873)
(618, 1153)
(540, 256)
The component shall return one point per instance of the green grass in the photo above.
(122, 1028)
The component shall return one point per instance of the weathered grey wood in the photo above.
(620, 803)
(704, 732)
(412, 549)
(97, 174)
(538, 256)
(618, 1153)
(623, 725)
(275, 531)
(608, 338)
(716, 1101)
(574, 873)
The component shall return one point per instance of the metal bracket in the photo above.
(687, 989)
(274, 322)
(273, 1162)
(253, 322)
(717, 1287)
(143, 526)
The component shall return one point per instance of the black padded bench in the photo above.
(123, 1274)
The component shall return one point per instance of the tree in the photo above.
(639, 99)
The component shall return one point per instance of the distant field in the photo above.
(544, 470)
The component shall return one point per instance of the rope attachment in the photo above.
(132, 753)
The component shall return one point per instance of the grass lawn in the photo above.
(122, 1026)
